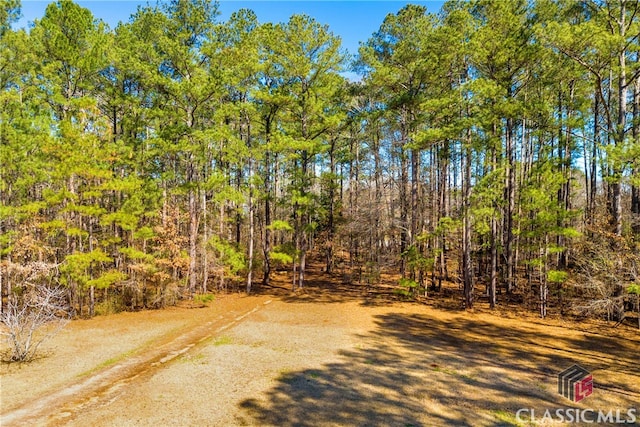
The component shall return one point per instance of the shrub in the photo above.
(32, 315)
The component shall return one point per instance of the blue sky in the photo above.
(353, 21)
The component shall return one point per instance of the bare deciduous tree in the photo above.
(604, 274)
(35, 311)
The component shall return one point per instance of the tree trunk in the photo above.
(638, 307)
(594, 159)
(303, 264)
(266, 244)
(620, 131)
(635, 204)
(193, 238)
(238, 219)
(377, 177)
(92, 301)
(331, 223)
(635, 189)
(544, 289)
(404, 226)
(205, 238)
(221, 221)
(251, 228)
(493, 279)
(443, 208)
(493, 283)
(510, 207)
(415, 213)
(564, 195)
(2, 289)
(616, 206)
(467, 267)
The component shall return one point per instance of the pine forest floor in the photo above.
(331, 355)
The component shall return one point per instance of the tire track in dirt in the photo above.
(103, 386)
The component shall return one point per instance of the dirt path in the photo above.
(313, 360)
(168, 336)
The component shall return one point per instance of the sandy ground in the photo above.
(316, 359)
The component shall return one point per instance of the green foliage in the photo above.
(122, 219)
(135, 254)
(554, 249)
(408, 288)
(76, 232)
(447, 224)
(6, 240)
(144, 233)
(280, 225)
(9, 13)
(150, 140)
(231, 257)
(283, 254)
(416, 259)
(571, 233)
(88, 210)
(280, 257)
(53, 226)
(107, 279)
(557, 276)
(634, 289)
(203, 299)
(78, 268)
(408, 283)
(536, 262)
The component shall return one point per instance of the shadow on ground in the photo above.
(322, 287)
(421, 369)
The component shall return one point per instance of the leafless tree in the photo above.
(603, 275)
(34, 312)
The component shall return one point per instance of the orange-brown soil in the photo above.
(333, 354)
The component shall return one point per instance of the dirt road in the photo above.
(307, 360)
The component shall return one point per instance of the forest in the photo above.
(493, 146)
